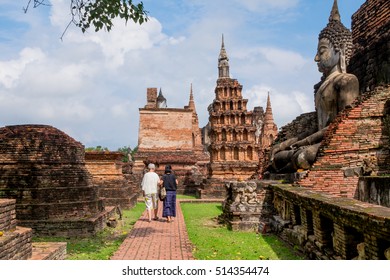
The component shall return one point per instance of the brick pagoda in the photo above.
(171, 136)
(233, 148)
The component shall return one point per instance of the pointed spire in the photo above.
(268, 118)
(222, 53)
(269, 102)
(161, 101)
(223, 61)
(191, 103)
(335, 14)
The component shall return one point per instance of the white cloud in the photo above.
(306, 104)
(285, 106)
(11, 70)
(267, 5)
(283, 60)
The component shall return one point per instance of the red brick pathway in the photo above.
(157, 240)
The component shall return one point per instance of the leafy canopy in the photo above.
(99, 13)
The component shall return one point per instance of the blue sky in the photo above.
(91, 85)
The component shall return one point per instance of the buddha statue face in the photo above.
(327, 57)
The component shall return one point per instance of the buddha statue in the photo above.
(336, 91)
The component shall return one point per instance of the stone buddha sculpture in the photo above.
(336, 91)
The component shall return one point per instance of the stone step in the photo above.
(51, 195)
(60, 210)
(48, 251)
(124, 202)
(88, 226)
(16, 244)
(7, 214)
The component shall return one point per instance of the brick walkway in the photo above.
(157, 240)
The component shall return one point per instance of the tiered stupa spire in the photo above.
(268, 117)
(223, 62)
(191, 103)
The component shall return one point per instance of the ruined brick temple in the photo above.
(336, 208)
(115, 185)
(339, 207)
(44, 171)
(233, 148)
(230, 147)
(237, 139)
(171, 136)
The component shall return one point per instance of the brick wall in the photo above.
(353, 144)
(7, 214)
(335, 226)
(165, 129)
(15, 242)
(303, 124)
(113, 185)
(151, 98)
(371, 35)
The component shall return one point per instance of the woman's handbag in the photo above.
(163, 193)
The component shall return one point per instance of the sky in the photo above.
(91, 85)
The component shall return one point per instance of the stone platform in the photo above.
(15, 241)
(113, 185)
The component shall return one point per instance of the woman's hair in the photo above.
(168, 168)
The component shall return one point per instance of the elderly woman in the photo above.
(149, 185)
(169, 203)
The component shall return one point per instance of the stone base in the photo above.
(123, 203)
(15, 244)
(122, 196)
(71, 228)
(48, 251)
(212, 188)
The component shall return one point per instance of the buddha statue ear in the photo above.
(343, 64)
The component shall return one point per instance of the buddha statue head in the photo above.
(334, 45)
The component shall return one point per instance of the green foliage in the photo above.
(97, 149)
(215, 242)
(126, 151)
(99, 13)
(133, 152)
(104, 244)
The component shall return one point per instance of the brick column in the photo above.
(371, 248)
(340, 241)
(322, 231)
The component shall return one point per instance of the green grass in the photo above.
(215, 242)
(184, 196)
(104, 244)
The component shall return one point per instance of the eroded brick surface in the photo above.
(43, 169)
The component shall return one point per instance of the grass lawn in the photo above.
(215, 242)
(104, 244)
(185, 196)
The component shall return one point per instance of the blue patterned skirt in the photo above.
(169, 204)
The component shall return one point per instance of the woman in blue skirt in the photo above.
(169, 203)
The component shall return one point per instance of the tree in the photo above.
(126, 151)
(98, 13)
(97, 149)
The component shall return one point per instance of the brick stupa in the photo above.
(44, 170)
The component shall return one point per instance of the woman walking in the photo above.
(169, 203)
(149, 184)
